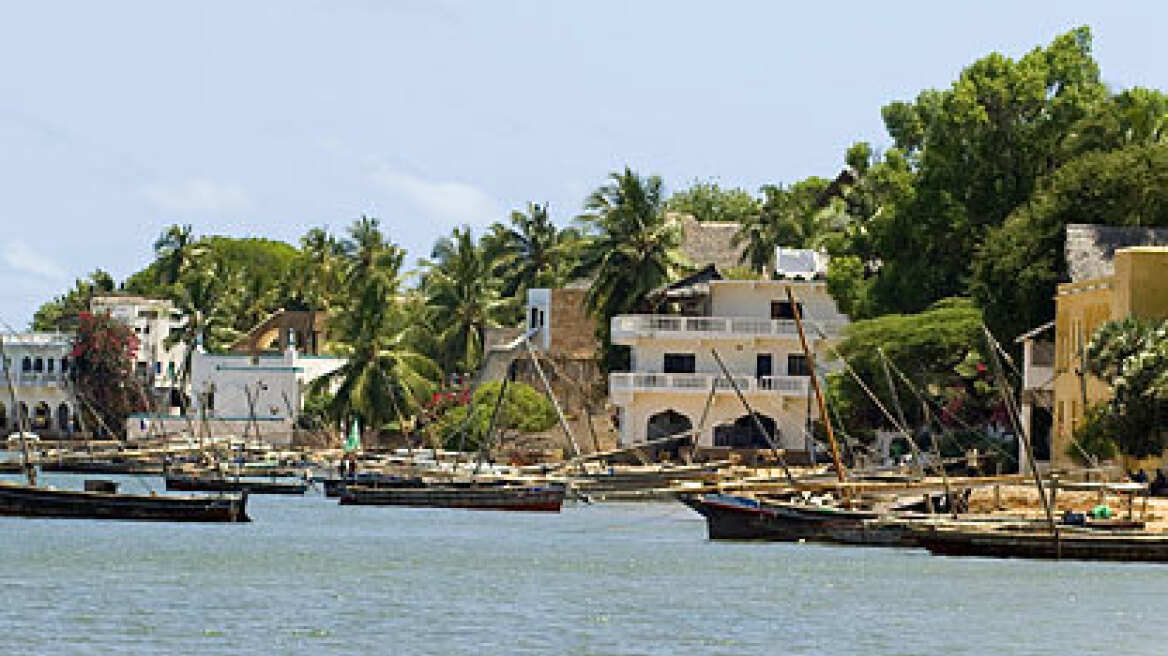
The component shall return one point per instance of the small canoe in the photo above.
(20, 500)
(545, 498)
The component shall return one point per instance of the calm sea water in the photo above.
(310, 577)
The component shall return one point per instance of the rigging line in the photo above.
(945, 433)
(867, 390)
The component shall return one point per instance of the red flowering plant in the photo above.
(103, 370)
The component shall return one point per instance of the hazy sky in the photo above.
(266, 118)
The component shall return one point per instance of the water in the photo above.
(309, 577)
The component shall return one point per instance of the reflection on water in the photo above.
(308, 576)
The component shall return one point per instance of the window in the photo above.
(680, 363)
(50, 363)
(797, 365)
(784, 310)
(764, 365)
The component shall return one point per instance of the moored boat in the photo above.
(541, 498)
(744, 518)
(31, 501)
(210, 483)
(334, 487)
(1105, 544)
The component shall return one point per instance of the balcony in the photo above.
(30, 379)
(700, 383)
(632, 326)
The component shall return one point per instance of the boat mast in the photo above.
(21, 417)
(810, 357)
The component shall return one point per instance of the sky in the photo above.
(267, 118)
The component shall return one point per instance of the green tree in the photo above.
(788, 216)
(463, 291)
(707, 201)
(63, 312)
(523, 411)
(632, 250)
(383, 379)
(939, 350)
(1017, 269)
(1131, 356)
(173, 250)
(201, 294)
(532, 252)
(978, 151)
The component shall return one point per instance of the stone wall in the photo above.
(709, 242)
(1090, 249)
(572, 331)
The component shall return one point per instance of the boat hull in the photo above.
(25, 501)
(1035, 545)
(525, 499)
(181, 483)
(736, 518)
(334, 487)
(102, 467)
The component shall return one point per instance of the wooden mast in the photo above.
(835, 455)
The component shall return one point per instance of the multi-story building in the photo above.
(39, 365)
(675, 383)
(1133, 282)
(153, 320)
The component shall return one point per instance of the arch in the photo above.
(64, 418)
(742, 433)
(42, 416)
(26, 364)
(666, 423)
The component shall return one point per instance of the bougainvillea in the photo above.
(103, 370)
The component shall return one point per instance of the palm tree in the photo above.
(462, 289)
(315, 280)
(633, 247)
(533, 251)
(789, 218)
(383, 378)
(202, 294)
(174, 249)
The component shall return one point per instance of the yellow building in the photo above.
(1137, 288)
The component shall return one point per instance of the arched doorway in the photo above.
(64, 419)
(743, 433)
(664, 424)
(42, 416)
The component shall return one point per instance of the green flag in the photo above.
(353, 443)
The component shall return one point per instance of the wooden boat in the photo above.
(334, 487)
(7, 467)
(1087, 543)
(744, 518)
(111, 466)
(543, 498)
(104, 502)
(214, 483)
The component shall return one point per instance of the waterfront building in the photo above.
(39, 366)
(1124, 282)
(152, 320)
(236, 394)
(675, 384)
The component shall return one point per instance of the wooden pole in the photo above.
(835, 455)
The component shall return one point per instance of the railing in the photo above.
(15, 340)
(633, 381)
(646, 325)
(37, 379)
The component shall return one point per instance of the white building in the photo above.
(237, 394)
(749, 323)
(153, 320)
(39, 368)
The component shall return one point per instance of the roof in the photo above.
(1034, 333)
(710, 242)
(695, 284)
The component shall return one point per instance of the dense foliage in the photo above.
(1132, 357)
(103, 371)
(523, 410)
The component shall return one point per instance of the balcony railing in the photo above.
(643, 382)
(647, 325)
(28, 379)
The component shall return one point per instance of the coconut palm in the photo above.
(633, 245)
(174, 249)
(533, 251)
(202, 294)
(315, 280)
(464, 293)
(383, 379)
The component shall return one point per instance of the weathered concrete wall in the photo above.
(1090, 249)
